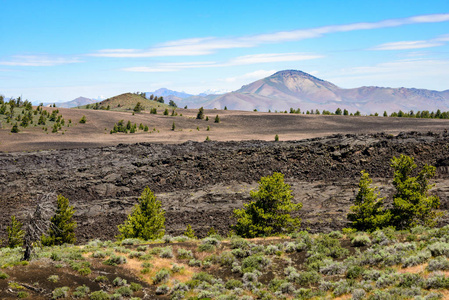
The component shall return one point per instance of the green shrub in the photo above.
(233, 284)
(161, 276)
(124, 291)
(361, 240)
(206, 248)
(81, 291)
(135, 287)
(118, 281)
(438, 264)
(83, 120)
(255, 262)
(115, 260)
(23, 294)
(53, 278)
(61, 292)
(184, 254)
(99, 295)
(3, 275)
(101, 278)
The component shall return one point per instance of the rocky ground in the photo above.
(201, 183)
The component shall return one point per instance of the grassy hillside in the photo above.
(385, 264)
(126, 102)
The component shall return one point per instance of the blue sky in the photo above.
(54, 51)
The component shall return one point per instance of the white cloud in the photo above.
(237, 61)
(406, 45)
(271, 57)
(259, 74)
(38, 61)
(208, 45)
(417, 73)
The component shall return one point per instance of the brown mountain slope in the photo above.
(286, 89)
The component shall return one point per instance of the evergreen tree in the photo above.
(166, 112)
(217, 119)
(62, 228)
(15, 233)
(138, 108)
(269, 213)
(338, 111)
(15, 128)
(173, 127)
(276, 138)
(189, 232)
(200, 114)
(146, 220)
(368, 213)
(411, 203)
(83, 120)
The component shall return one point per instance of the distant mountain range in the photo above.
(80, 101)
(296, 89)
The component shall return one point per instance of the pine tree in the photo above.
(62, 229)
(15, 233)
(411, 204)
(276, 138)
(189, 232)
(269, 213)
(368, 213)
(146, 220)
(217, 119)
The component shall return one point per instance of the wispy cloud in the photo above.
(208, 45)
(406, 45)
(252, 75)
(429, 73)
(38, 61)
(241, 60)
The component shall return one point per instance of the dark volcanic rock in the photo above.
(201, 183)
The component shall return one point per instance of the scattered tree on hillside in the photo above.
(166, 112)
(269, 213)
(15, 128)
(147, 219)
(276, 138)
(368, 212)
(15, 233)
(173, 127)
(200, 114)
(338, 111)
(160, 100)
(411, 203)
(62, 229)
(217, 119)
(172, 103)
(138, 108)
(83, 120)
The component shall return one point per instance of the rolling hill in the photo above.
(296, 89)
(128, 101)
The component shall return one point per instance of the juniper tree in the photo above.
(62, 229)
(147, 220)
(411, 203)
(269, 213)
(137, 108)
(15, 233)
(200, 114)
(368, 213)
(217, 119)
